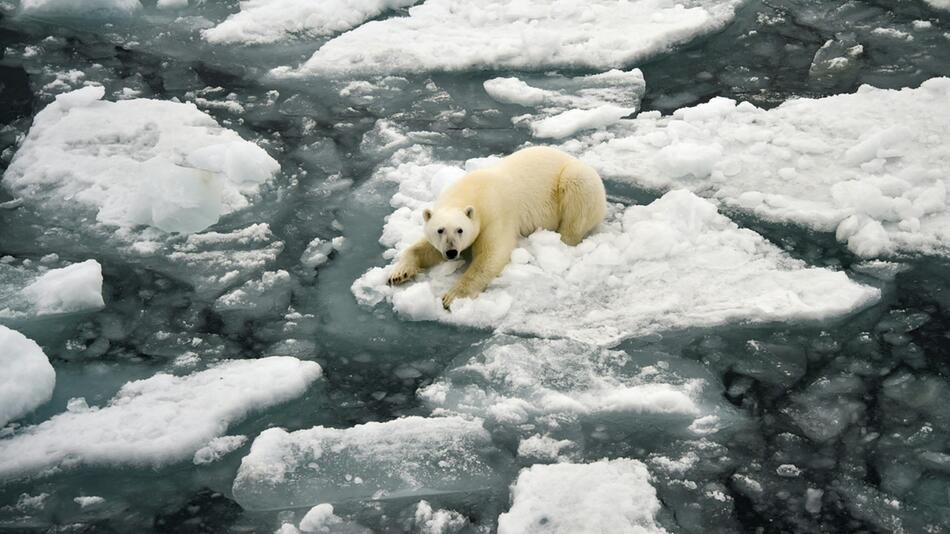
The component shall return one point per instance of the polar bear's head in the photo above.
(451, 230)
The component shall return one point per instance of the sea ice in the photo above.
(399, 458)
(674, 263)
(452, 35)
(568, 105)
(25, 294)
(135, 162)
(27, 379)
(513, 380)
(869, 166)
(269, 21)
(156, 421)
(599, 497)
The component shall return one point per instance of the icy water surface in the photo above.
(733, 350)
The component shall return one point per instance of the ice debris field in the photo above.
(201, 203)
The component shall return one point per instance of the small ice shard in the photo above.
(429, 521)
(135, 162)
(270, 21)
(674, 263)
(217, 448)
(868, 166)
(603, 496)
(88, 500)
(27, 379)
(24, 294)
(155, 421)
(566, 106)
(399, 458)
(453, 35)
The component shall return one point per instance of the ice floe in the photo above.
(512, 380)
(398, 458)
(136, 162)
(566, 105)
(27, 379)
(672, 264)
(603, 496)
(155, 421)
(33, 291)
(449, 35)
(268, 21)
(870, 166)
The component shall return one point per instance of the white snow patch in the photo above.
(870, 166)
(452, 35)
(156, 421)
(398, 458)
(604, 496)
(270, 21)
(136, 162)
(27, 379)
(672, 264)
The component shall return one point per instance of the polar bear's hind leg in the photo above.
(582, 202)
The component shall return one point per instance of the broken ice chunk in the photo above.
(27, 378)
(156, 421)
(72, 289)
(604, 496)
(399, 458)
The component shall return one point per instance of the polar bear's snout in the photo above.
(451, 253)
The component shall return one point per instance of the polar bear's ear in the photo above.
(426, 214)
(470, 212)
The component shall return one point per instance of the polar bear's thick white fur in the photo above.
(489, 209)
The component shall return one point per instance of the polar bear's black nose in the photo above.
(451, 253)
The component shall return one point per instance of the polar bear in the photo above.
(489, 209)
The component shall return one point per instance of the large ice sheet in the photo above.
(26, 293)
(136, 162)
(599, 497)
(156, 421)
(399, 458)
(870, 166)
(675, 263)
(511, 380)
(565, 105)
(269, 21)
(27, 379)
(450, 35)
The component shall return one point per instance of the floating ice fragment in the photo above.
(674, 263)
(27, 378)
(72, 289)
(429, 521)
(399, 458)
(838, 163)
(156, 421)
(135, 162)
(604, 496)
(80, 8)
(449, 35)
(218, 448)
(89, 500)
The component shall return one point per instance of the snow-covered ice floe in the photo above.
(136, 162)
(27, 292)
(568, 105)
(870, 166)
(27, 379)
(156, 421)
(517, 381)
(399, 458)
(603, 496)
(674, 263)
(269, 21)
(451, 35)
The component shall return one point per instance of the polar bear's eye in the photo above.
(440, 230)
(460, 230)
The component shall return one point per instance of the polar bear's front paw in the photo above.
(452, 294)
(401, 274)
